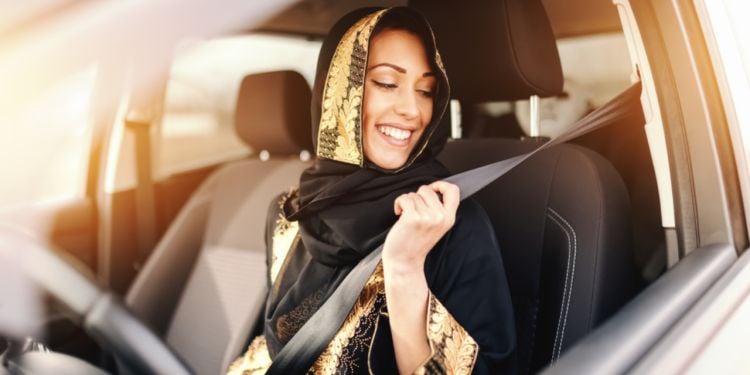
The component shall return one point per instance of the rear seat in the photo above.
(203, 287)
(562, 218)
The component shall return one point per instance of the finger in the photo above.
(430, 197)
(420, 206)
(450, 192)
(404, 203)
(436, 213)
(398, 207)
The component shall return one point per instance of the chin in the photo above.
(390, 163)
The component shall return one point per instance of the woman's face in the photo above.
(398, 98)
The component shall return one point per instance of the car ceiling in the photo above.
(568, 17)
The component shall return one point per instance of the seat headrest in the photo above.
(495, 50)
(273, 112)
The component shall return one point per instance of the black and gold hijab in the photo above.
(344, 204)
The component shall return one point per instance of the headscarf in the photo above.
(344, 204)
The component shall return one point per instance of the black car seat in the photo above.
(203, 286)
(624, 144)
(561, 218)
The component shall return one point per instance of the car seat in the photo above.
(203, 286)
(561, 218)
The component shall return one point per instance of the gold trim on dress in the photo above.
(285, 236)
(453, 350)
(288, 324)
(255, 361)
(330, 360)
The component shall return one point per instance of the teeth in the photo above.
(394, 132)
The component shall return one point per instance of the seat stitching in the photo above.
(565, 285)
(572, 276)
(560, 328)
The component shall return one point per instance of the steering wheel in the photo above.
(101, 314)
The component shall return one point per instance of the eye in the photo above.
(385, 85)
(426, 93)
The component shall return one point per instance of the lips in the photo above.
(394, 135)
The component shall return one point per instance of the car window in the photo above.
(737, 10)
(595, 67)
(728, 34)
(45, 144)
(197, 127)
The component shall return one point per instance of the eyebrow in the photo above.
(399, 69)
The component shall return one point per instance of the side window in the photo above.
(197, 127)
(730, 34)
(45, 145)
(596, 68)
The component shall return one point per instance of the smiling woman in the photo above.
(398, 97)
(439, 300)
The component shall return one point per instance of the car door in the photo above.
(662, 328)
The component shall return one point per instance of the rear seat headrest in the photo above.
(495, 50)
(273, 112)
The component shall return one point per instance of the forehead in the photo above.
(399, 47)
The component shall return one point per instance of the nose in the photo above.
(406, 105)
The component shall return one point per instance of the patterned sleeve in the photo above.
(256, 359)
(452, 349)
(470, 324)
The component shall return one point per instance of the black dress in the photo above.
(470, 324)
(343, 209)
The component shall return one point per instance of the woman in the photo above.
(439, 301)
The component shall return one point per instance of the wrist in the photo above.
(403, 268)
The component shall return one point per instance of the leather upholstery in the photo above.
(562, 223)
(562, 218)
(495, 50)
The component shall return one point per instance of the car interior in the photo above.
(569, 255)
(580, 225)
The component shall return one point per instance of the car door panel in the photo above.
(620, 342)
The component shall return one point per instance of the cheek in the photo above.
(373, 104)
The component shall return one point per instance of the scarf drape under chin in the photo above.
(353, 216)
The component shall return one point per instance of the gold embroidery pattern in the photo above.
(331, 359)
(340, 133)
(256, 359)
(288, 324)
(284, 236)
(453, 350)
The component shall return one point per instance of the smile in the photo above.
(394, 133)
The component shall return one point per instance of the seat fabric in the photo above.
(203, 286)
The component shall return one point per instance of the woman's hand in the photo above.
(423, 221)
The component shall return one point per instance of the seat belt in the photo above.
(305, 346)
(145, 209)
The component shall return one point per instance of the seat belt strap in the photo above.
(145, 209)
(305, 346)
